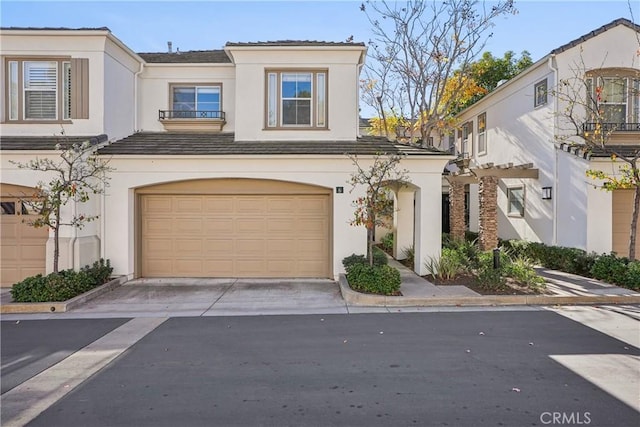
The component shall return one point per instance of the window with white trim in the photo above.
(540, 93)
(616, 98)
(515, 200)
(482, 133)
(42, 90)
(296, 99)
(192, 102)
(467, 144)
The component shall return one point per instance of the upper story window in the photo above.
(467, 146)
(196, 101)
(515, 197)
(482, 133)
(614, 101)
(540, 93)
(296, 99)
(45, 90)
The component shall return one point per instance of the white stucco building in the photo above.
(522, 123)
(228, 163)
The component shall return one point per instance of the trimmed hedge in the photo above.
(63, 285)
(606, 267)
(379, 279)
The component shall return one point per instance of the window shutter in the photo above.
(79, 88)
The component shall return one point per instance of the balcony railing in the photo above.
(611, 127)
(181, 114)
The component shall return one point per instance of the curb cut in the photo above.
(62, 306)
(356, 298)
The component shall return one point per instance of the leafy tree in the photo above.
(416, 49)
(77, 175)
(373, 207)
(589, 120)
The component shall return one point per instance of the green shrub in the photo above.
(63, 285)
(100, 271)
(610, 269)
(379, 279)
(410, 255)
(387, 242)
(632, 277)
(569, 260)
(379, 258)
(521, 270)
(489, 277)
(449, 265)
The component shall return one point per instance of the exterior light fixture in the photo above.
(546, 193)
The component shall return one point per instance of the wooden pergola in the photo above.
(487, 176)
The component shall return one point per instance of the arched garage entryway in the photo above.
(234, 228)
(23, 251)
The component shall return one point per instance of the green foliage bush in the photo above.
(632, 277)
(379, 258)
(387, 242)
(379, 279)
(610, 268)
(63, 285)
(410, 255)
(451, 263)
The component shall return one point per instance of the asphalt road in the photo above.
(428, 369)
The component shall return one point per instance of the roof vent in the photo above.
(169, 47)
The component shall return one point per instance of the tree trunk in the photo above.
(634, 223)
(370, 246)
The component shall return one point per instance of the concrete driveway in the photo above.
(216, 297)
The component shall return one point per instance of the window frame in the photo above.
(519, 213)
(15, 98)
(195, 86)
(466, 141)
(319, 106)
(482, 134)
(631, 97)
(538, 101)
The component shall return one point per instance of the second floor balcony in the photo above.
(192, 120)
(611, 127)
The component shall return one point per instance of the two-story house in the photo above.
(521, 170)
(227, 163)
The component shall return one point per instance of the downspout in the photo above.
(359, 66)
(554, 222)
(135, 97)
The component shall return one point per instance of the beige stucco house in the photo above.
(228, 163)
(514, 140)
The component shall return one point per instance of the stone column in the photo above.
(456, 210)
(488, 230)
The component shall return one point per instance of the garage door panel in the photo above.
(236, 236)
(9, 229)
(181, 226)
(156, 205)
(33, 253)
(9, 252)
(28, 232)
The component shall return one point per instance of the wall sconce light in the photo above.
(546, 193)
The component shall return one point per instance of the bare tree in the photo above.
(592, 113)
(422, 43)
(78, 174)
(371, 209)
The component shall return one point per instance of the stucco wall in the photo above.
(342, 99)
(154, 90)
(119, 91)
(330, 172)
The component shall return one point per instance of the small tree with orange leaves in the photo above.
(78, 174)
(372, 208)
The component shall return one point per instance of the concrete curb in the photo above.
(62, 306)
(356, 298)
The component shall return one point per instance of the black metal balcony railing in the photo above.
(181, 114)
(611, 127)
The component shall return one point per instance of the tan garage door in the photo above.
(23, 248)
(622, 208)
(235, 235)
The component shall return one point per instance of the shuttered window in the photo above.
(40, 90)
(47, 90)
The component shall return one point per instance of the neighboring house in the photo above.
(513, 139)
(228, 163)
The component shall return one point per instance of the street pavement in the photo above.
(457, 367)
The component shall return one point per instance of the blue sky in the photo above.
(146, 26)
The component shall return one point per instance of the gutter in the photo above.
(135, 96)
(554, 222)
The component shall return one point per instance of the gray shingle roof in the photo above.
(45, 142)
(166, 143)
(576, 42)
(294, 43)
(190, 57)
